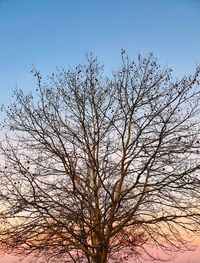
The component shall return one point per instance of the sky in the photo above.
(58, 33)
(48, 34)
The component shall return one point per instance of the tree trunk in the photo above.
(101, 257)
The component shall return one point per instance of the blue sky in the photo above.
(58, 33)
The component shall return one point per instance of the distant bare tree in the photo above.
(101, 169)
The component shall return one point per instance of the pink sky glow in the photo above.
(186, 257)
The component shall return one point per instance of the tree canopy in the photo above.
(100, 169)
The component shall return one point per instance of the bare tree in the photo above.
(100, 169)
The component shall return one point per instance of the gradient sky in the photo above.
(58, 33)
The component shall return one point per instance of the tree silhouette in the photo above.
(100, 169)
